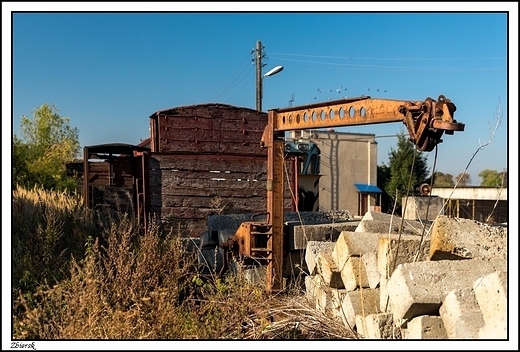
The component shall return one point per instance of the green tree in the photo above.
(383, 175)
(493, 178)
(400, 164)
(463, 179)
(47, 143)
(442, 180)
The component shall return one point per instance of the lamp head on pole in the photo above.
(273, 71)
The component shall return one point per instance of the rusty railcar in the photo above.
(199, 160)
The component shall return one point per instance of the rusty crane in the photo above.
(262, 241)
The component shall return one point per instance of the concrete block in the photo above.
(425, 327)
(416, 207)
(419, 288)
(310, 288)
(353, 243)
(491, 294)
(363, 301)
(393, 250)
(311, 253)
(353, 274)
(388, 224)
(298, 235)
(323, 297)
(461, 314)
(457, 238)
(337, 298)
(370, 262)
(328, 270)
(377, 326)
(384, 301)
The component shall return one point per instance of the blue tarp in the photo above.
(367, 188)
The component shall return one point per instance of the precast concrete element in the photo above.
(377, 326)
(370, 262)
(458, 238)
(353, 274)
(491, 293)
(337, 298)
(425, 327)
(299, 234)
(328, 270)
(419, 288)
(353, 244)
(363, 301)
(398, 249)
(311, 253)
(461, 314)
(389, 224)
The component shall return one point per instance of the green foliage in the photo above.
(463, 179)
(400, 165)
(383, 176)
(493, 178)
(442, 180)
(47, 143)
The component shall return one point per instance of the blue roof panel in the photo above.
(367, 188)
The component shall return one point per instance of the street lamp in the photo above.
(259, 89)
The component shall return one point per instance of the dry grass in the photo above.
(123, 284)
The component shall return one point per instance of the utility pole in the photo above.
(259, 76)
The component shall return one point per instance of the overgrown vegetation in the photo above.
(77, 277)
(47, 142)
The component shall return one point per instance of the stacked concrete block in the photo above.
(328, 270)
(388, 224)
(299, 234)
(353, 244)
(419, 288)
(353, 275)
(461, 314)
(337, 298)
(454, 239)
(362, 302)
(311, 253)
(491, 293)
(398, 281)
(377, 326)
(370, 262)
(393, 250)
(425, 327)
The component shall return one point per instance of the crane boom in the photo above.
(426, 121)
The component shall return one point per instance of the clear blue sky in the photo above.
(109, 72)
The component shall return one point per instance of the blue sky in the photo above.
(109, 72)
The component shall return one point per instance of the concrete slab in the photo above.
(419, 288)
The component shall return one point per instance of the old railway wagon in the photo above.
(199, 160)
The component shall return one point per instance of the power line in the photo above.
(389, 58)
(233, 80)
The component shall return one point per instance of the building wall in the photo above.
(345, 159)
